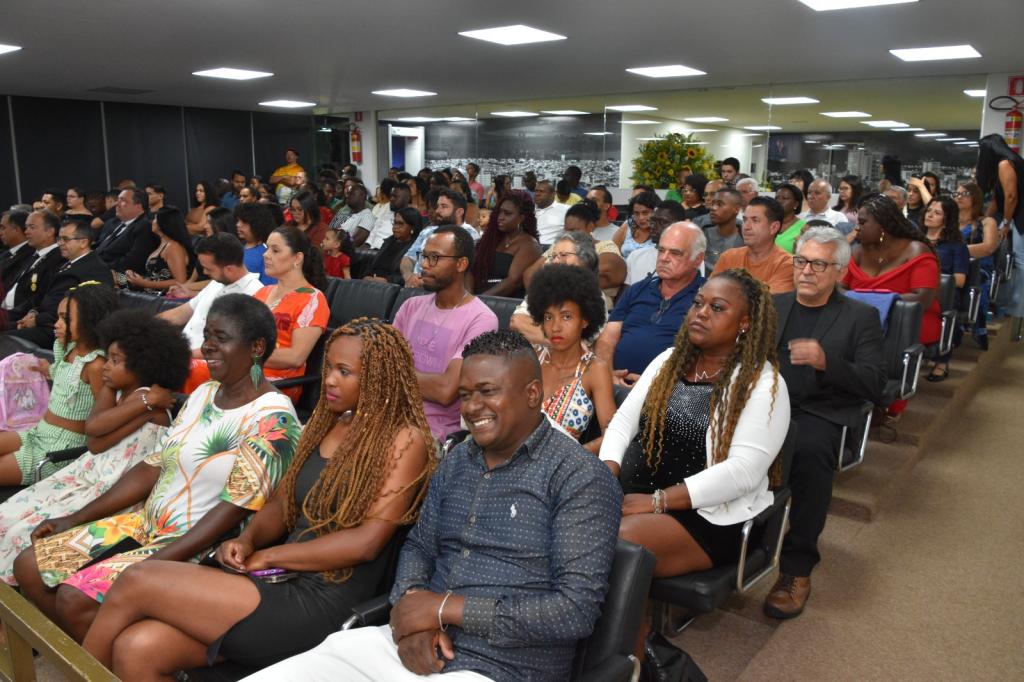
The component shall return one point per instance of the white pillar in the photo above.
(368, 168)
(998, 85)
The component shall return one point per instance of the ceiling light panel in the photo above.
(404, 92)
(703, 130)
(232, 74)
(930, 54)
(831, 5)
(886, 124)
(967, 142)
(513, 114)
(599, 133)
(975, 93)
(642, 122)
(706, 119)
(908, 130)
(846, 114)
(287, 104)
(950, 139)
(670, 71)
(517, 34)
(4, 49)
(783, 101)
(762, 127)
(564, 112)
(930, 135)
(631, 107)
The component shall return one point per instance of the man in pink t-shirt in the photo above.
(473, 170)
(439, 325)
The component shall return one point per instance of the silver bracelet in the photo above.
(440, 623)
(146, 402)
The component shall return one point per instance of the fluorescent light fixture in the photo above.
(747, 135)
(975, 93)
(810, 142)
(404, 92)
(702, 130)
(967, 142)
(631, 107)
(564, 112)
(232, 74)
(4, 49)
(513, 114)
(456, 119)
(417, 119)
(599, 133)
(829, 5)
(782, 101)
(517, 34)
(929, 54)
(641, 122)
(324, 129)
(287, 104)
(706, 119)
(908, 130)
(670, 71)
(930, 135)
(950, 139)
(886, 124)
(846, 114)
(757, 146)
(648, 139)
(762, 127)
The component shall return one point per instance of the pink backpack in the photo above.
(24, 392)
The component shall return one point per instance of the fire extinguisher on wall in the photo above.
(1014, 118)
(356, 145)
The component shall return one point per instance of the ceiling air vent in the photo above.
(114, 90)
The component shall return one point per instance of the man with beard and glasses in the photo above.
(439, 325)
(450, 210)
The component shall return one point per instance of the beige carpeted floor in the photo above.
(932, 587)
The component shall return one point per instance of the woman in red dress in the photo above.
(892, 254)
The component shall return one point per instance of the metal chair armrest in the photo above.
(372, 612)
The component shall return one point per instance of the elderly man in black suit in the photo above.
(67, 262)
(830, 353)
(16, 251)
(126, 241)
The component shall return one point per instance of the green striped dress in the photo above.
(70, 398)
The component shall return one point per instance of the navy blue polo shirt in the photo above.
(649, 322)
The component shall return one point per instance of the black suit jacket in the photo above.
(11, 266)
(88, 267)
(850, 333)
(25, 298)
(130, 249)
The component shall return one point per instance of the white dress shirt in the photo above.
(550, 221)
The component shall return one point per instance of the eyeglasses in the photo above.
(961, 195)
(662, 307)
(65, 240)
(433, 258)
(563, 255)
(799, 263)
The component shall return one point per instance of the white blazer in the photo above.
(735, 489)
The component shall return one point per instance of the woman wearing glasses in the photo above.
(981, 234)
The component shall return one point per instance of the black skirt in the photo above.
(720, 543)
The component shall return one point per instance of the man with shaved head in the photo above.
(496, 581)
(724, 232)
(818, 195)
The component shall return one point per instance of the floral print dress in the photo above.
(208, 456)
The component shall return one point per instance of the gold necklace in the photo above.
(704, 376)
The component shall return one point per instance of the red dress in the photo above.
(920, 272)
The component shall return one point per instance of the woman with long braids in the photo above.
(510, 245)
(360, 472)
(701, 429)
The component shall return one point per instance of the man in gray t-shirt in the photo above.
(724, 232)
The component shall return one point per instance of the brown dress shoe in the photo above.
(787, 597)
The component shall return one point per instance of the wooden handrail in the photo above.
(27, 628)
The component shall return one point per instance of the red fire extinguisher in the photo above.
(357, 145)
(1014, 118)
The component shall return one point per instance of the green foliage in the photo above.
(659, 161)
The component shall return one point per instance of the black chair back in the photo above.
(947, 292)
(360, 298)
(503, 307)
(404, 295)
(904, 331)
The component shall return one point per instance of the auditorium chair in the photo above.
(605, 656)
(503, 307)
(903, 351)
(705, 591)
(354, 298)
(970, 301)
(948, 317)
(310, 379)
(853, 443)
(332, 286)
(404, 295)
(361, 262)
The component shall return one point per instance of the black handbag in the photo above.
(665, 662)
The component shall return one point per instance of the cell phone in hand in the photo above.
(273, 575)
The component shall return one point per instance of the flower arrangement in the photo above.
(659, 161)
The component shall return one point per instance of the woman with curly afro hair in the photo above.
(146, 359)
(566, 301)
(509, 246)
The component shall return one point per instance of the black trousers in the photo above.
(814, 462)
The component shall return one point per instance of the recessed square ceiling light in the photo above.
(404, 92)
(975, 93)
(950, 139)
(762, 127)
(930, 135)
(232, 74)
(517, 34)
(513, 114)
(641, 122)
(927, 54)
(287, 104)
(703, 130)
(564, 112)
(706, 119)
(789, 100)
(599, 133)
(829, 5)
(846, 114)
(670, 71)
(4, 49)
(886, 124)
(631, 107)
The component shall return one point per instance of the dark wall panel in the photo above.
(216, 141)
(8, 189)
(146, 143)
(274, 133)
(60, 144)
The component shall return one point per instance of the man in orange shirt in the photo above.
(762, 221)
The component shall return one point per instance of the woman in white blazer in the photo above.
(699, 433)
